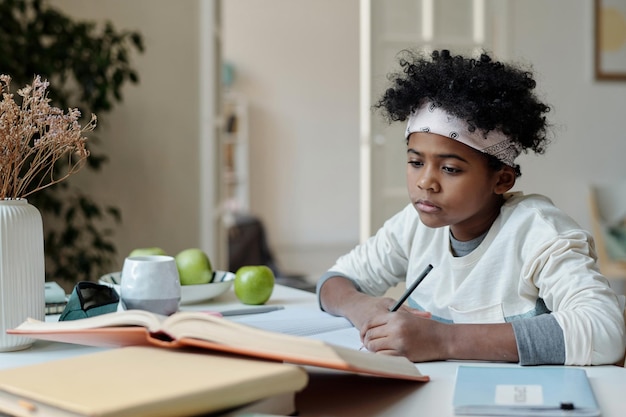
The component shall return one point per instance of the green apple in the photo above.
(147, 252)
(194, 267)
(254, 284)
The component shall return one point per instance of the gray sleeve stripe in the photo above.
(539, 340)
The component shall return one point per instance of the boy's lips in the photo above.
(426, 206)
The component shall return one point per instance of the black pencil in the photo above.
(412, 288)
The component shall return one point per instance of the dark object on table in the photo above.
(247, 245)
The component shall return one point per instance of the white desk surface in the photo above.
(336, 394)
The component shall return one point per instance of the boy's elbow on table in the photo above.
(596, 344)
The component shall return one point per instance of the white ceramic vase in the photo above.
(22, 270)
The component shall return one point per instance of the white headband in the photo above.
(433, 119)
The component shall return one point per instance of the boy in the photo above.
(514, 278)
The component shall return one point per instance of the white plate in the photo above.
(189, 294)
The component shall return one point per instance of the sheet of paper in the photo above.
(348, 337)
(297, 321)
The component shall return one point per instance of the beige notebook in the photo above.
(144, 381)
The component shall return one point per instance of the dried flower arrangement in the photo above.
(34, 136)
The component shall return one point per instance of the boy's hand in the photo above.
(419, 313)
(363, 308)
(406, 332)
(410, 334)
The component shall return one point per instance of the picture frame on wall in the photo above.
(610, 39)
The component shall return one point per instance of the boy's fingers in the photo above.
(424, 314)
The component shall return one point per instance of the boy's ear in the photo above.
(505, 179)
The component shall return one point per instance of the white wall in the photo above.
(297, 62)
(152, 138)
(590, 142)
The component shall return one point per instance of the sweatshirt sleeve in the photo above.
(589, 313)
(326, 277)
(380, 262)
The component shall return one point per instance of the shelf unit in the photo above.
(234, 175)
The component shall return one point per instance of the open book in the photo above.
(207, 331)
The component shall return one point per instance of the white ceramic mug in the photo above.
(150, 283)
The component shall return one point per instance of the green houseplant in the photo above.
(87, 65)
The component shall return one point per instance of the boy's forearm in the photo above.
(489, 342)
(340, 297)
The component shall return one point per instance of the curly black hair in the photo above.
(487, 94)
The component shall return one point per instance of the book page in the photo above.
(348, 338)
(298, 321)
(211, 332)
(141, 318)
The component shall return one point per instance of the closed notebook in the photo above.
(144, 381)
(524, 391)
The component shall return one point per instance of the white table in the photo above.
(336, 394)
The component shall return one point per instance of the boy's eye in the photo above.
(451, 170)
(447, 169)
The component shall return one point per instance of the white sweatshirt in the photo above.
(534, 260)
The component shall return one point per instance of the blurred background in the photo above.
(257, 113)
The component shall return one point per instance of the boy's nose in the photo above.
(427, 181)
